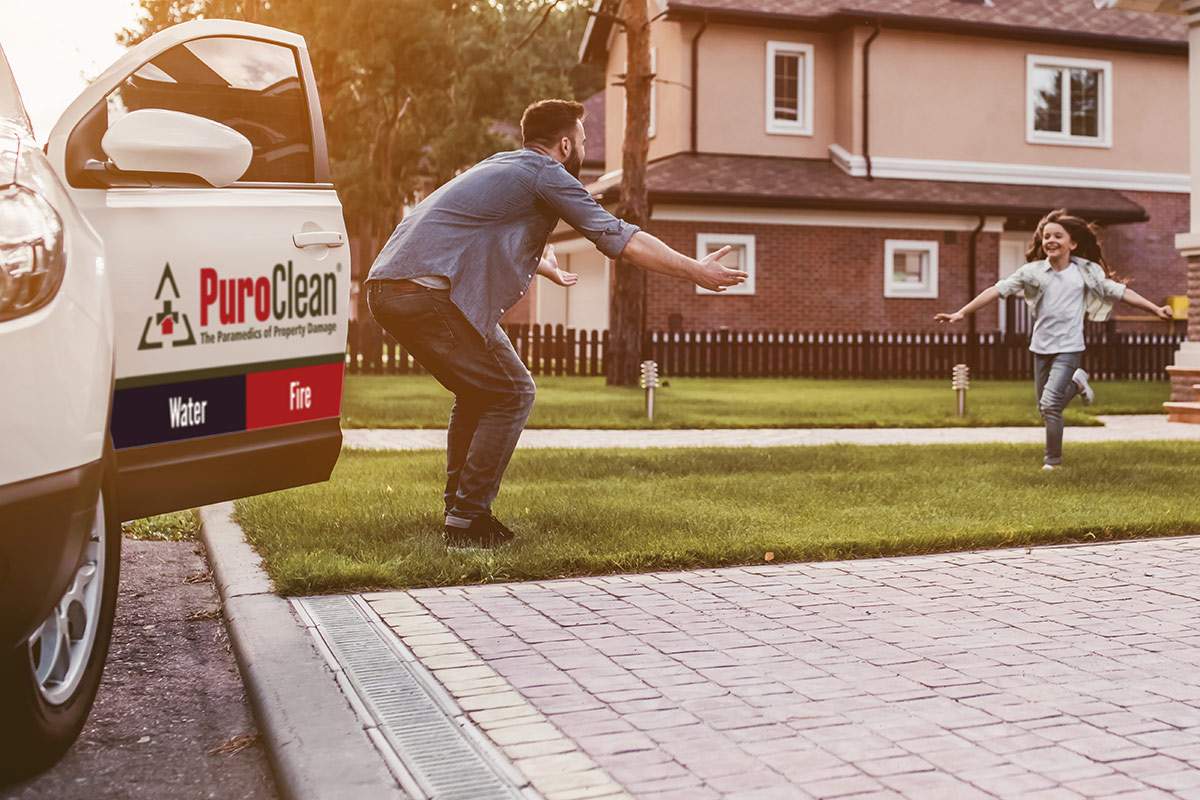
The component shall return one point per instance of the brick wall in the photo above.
(831, 278)
(1182, 383)
(821, 278)
(1144, 255)
(1193, 293)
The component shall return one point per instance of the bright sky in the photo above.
(56, 46)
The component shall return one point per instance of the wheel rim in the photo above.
(61, 648)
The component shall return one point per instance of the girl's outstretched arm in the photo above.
(988, 295)
(1136, 300)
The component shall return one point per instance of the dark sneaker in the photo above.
(500, 531)
(486, 532)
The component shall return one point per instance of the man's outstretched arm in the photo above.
(618, 239)
(650, 252)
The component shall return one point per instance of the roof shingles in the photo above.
(1053, 16)
(732, 180)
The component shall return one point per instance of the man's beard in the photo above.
(574, 163)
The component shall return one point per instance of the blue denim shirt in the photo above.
(485, 231)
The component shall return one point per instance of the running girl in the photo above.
(1064, 280)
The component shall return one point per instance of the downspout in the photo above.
(696, 81)
(866, 97)
(972, 269)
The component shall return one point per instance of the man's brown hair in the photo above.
(546, 121)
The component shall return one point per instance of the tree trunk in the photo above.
(627, 307)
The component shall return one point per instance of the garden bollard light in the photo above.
(960, 382)
(649, 383)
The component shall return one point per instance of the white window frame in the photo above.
(1033, 136)
(706, 240)
(803, 126)
(927, 291)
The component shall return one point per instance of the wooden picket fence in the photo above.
(555, 350)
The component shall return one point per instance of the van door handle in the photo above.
(316, 238)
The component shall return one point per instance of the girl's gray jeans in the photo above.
(1052, 378)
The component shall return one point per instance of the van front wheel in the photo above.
(47, 686)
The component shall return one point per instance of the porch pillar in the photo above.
(1185, 372)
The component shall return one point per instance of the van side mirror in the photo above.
(157, 140)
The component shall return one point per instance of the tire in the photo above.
(46, 704)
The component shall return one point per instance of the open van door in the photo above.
(200, 159)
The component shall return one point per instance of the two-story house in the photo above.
(873, 162)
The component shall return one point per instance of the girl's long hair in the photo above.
(1085, 234)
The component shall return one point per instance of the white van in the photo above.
(174, 292)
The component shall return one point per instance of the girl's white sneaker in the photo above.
(1049, 467)
(1085, 389)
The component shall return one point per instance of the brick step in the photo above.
(1183, 412)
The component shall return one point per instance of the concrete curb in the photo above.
(316, 743)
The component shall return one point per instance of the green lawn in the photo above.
(377, 522)
(419, 402)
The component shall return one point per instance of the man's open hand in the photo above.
(711, 275)
(562, 277)
(955, 316)
(548, 266)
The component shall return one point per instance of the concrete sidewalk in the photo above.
(1060, 672)
(1123, 428)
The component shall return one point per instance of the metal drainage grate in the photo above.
(438, 752)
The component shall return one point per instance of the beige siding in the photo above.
(933, 96)
(936, 96)
(733, 93)
(583, 306)
(672, 97)
(732, 98)
(848, 93)
(614, 104)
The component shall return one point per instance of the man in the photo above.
(464, 256)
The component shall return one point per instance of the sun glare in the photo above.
(55, 47)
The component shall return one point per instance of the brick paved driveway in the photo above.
(1057, 672)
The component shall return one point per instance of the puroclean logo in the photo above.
(169, 324)
(284, 304)
(286, 295)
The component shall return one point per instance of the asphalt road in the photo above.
(171, 719)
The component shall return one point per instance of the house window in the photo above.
(740, 257)
(1070, 101)
(910, 269)
(789, 88)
